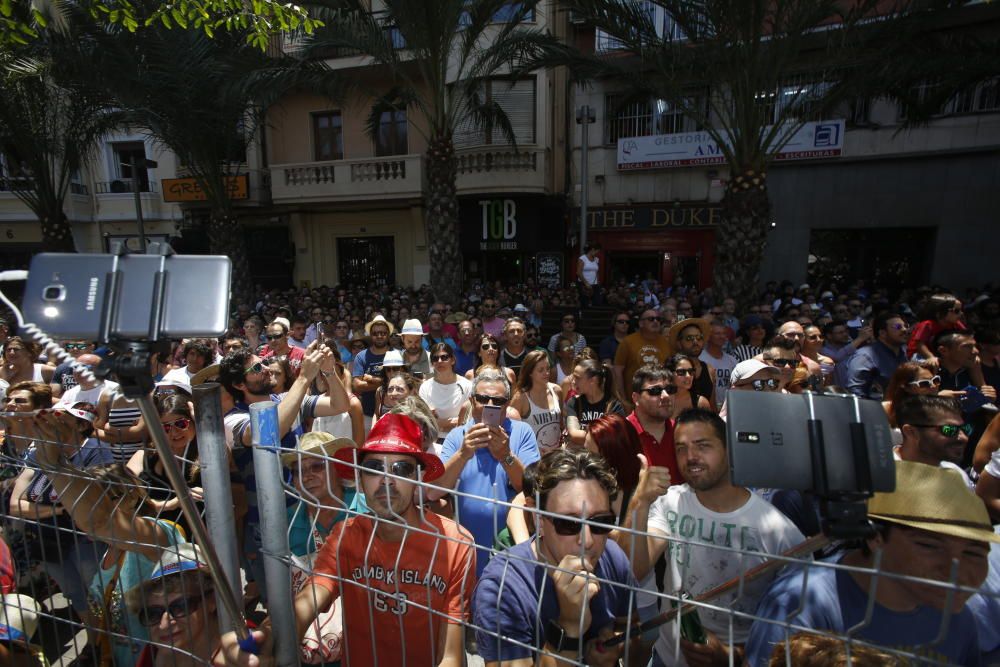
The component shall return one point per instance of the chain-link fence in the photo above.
(384, 556)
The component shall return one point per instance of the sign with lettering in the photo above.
(824, 139)
(650, 217)
(188, 189)
(499, 224)
(549, 269)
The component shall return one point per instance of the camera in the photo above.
(54, 293)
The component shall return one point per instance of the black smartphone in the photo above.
(104, 297)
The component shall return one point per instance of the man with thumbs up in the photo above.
(711, 531)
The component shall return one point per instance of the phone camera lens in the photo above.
(53, 293)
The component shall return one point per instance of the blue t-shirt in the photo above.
(835, 602)
(301, 539)
(985, 605)
(464, 361)
(482, 517)
(516, 598)
(366, 363)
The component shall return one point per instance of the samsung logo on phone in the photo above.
(92, 294)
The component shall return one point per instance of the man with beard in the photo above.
(277, 345)
(646, 346)
(688, 337)
(245, 378)
(934, 432)
(404, 575)
(514, 350)
(794, 332)
(692, 521)
(367, 372)
(869, 370)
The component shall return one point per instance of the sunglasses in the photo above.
(490, 346)
(490, 400)
(949, 430)
(180, 424)
(566, 348)
(256, 368)
(440, 357)
(781, 363)
(769, 384)
(274, 336)
(653, 319)
(696, 338)
(898, 327)
(150, 616)
(599, 524)
(373, 467)
(671, 389)
(926, 383)
(76, 346)
(684, 372)
(313, 468)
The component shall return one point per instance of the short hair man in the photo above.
(405, 576)
(415, 356)
(62, 378)
(486, 461)
(468, 346)
(841, 348)
(795, 332)
(959, 362)
(277, 345)
(539, 591)
(686, 519)
(645, 346)
(653, 392)
(718, 359)
(689, 337)
(514, 348)
(491, 324)
(367, 371)
(929, 521)
(934, 432)
(297, 333)
(780, 353)
(869, 370)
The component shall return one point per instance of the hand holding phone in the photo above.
(493, 415)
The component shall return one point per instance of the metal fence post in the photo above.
(274, 531)
(213, 459)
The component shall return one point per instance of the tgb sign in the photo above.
(499, 224)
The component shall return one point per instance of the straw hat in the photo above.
(379, 319)
(205, 374)
(398, 434)
(455, 318)
(934, 499)
(318, 443)
(675, 331)
(412, 327)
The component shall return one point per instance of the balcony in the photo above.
(486, 169)
(395, 177)
(123, 186)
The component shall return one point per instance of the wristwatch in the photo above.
(556, 637)
(508, 460)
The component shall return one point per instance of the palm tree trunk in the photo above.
(442, 220)
(742, 237)
(227, 237)
(57, 236)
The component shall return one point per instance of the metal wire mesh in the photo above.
(86, 550)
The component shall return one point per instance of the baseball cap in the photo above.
(749, 368)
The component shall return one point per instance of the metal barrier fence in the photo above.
(98, 569)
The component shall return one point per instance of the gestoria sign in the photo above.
(818, 140)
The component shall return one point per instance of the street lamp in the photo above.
(584, 117)
(134, 164)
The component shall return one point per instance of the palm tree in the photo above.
(438, 54)
(50, 126)
(750, 74)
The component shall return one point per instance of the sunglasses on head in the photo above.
(949, 430)
(398, 468)
(599, 524)
(781, 363)
(180, 424)
(150, 616)
(656, 391)
(256, 368)
(926, 383)
(490, 400)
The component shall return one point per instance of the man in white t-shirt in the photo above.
(97, 392)
(707, 529)
(716, 356)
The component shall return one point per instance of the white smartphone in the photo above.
(493, 415)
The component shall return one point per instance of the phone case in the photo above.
(83, 282)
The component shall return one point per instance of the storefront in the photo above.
(668, 240)
(502, 235)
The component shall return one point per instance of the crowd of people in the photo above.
(478, 477)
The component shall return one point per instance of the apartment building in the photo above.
(853, 194)
(354, 204)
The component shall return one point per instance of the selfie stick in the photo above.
(812, 544)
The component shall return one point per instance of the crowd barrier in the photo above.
(48, 549)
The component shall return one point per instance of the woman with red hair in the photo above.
(616, 440)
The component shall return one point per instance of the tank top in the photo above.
(545, 421)
(158, 487)
(513, 361)
(123, 418)
(590, 267)
(560, 375)
(339, 426)
(36, 374)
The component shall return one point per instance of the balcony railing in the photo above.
(343, 180)
(497, 160)
(489, 169)
(123, 186)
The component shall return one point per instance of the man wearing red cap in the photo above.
(405, 576)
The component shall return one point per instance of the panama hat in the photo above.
(393, 359)
(933, 499)
(315, 444)
(19, 618)
(397, 434)
(675, 331)
(412, 327)
(379, 319)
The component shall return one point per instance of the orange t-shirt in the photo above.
(390, 588)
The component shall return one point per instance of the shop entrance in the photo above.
(633, 267)
(367, 260)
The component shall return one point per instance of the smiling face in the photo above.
(180, 431)
(701, 456)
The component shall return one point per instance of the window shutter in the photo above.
(517, 99)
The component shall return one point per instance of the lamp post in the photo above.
(134, 164)
(584, 117)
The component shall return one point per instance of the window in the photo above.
(391, 137)
(798, 99)
(606, 42)
(984, 96)
(666, 25)
(328, 136)
(859, 111)
(123, 153)
(517, 100)
(507, 13)
(644, 118)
